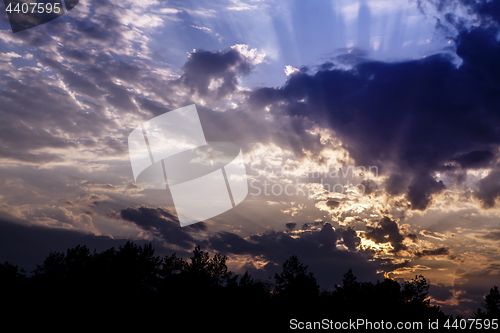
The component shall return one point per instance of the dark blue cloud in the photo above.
(387, 231)
(489, 189)
(418, 116)
(440, 251)
(28, 245)
(204, 66)
(475, 159)
(163, 222)
(316, 248)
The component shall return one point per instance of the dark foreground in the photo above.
(130, 288)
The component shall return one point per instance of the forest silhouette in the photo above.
(131, 283)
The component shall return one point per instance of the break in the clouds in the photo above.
(405, 86)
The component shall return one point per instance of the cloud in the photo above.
(478, 12)
(163, 222)
(386, 231)
(421, 190)
(86, 94)
(78, 87)
(475, 284)
(217, 70)
(61, 96)
(440, 292)
(350, 239)
(396, 184)
(489, 189)
(315, 248)
(492, 235)
(432, 234)
(332, 204)
(434, 252)
(27, 246)
(410, 118)
(475, 159)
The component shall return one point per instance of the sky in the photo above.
(369, 131)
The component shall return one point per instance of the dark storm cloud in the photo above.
(489, 189)
(492, 235)
(350, 239)
(418, 116)
(440, 292)
(27, 246)
(396, 184)
(487, 12)
(475, 159)
(308, 242)
(421, 190)
(332, 204)
(204, 66)
(164, 222)
(413, 237)
(435, 252)
(369, 185)
(314, 248)
(475, 284)
(387, 231)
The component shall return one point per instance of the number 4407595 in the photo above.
(472, 324)
(39, 8)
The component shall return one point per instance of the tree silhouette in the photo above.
(349, 281)
(208, 272)
(295, 280)
(10, 274)
(415, 291)
(491, 304)
(172, 266)
(350, 286)
(12, 281)
(135, 283)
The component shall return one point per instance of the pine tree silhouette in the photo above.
(131, 282)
